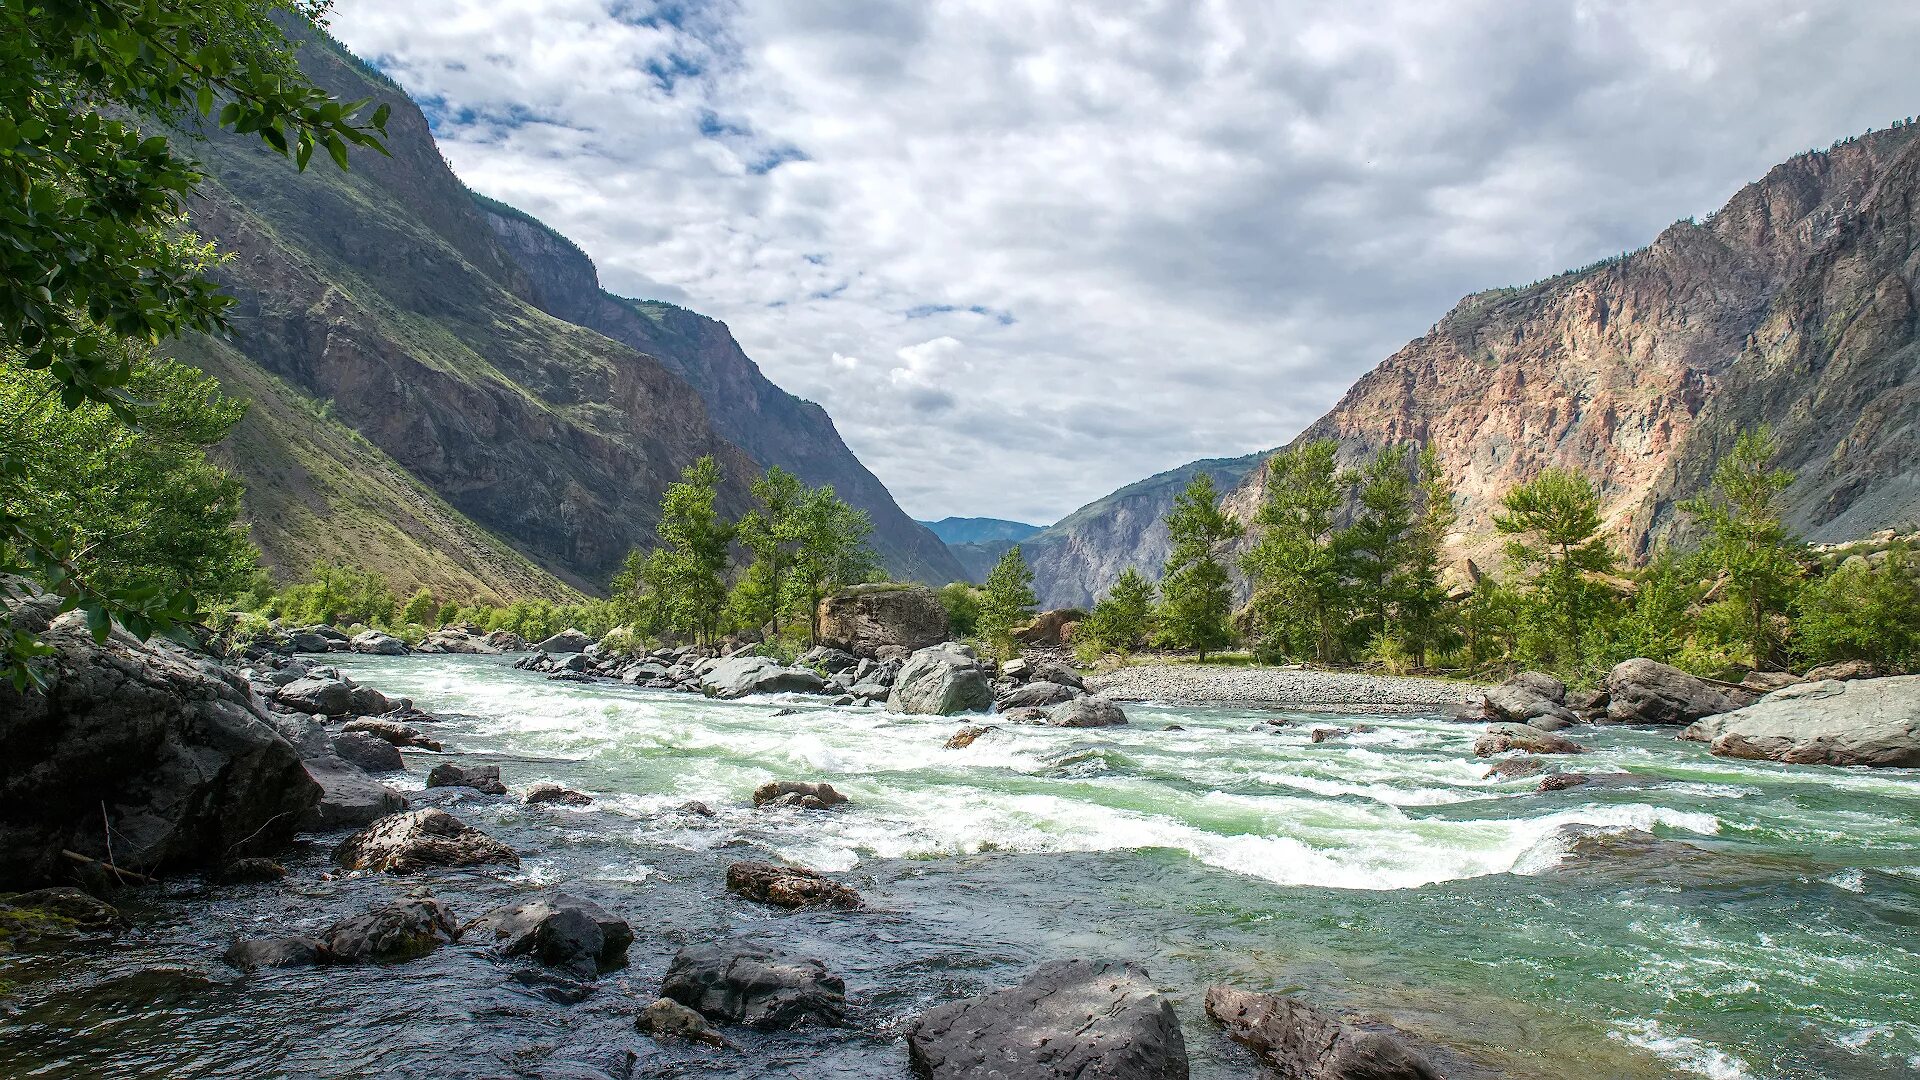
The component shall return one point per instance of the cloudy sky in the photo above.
(1027, 251)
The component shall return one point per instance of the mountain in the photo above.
(400, 339)
(965, 530)
(1793, 306)
(1075, 559)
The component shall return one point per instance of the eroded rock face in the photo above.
(732, 982)
(864, 619)
(1862, 722)
(788, 886)
(418, 840)
(941, 681)
(1069, 1019)
(560, 931)
(1642, 691)
(191, 771)
(1295, 1039)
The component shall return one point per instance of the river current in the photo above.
(1772, 931)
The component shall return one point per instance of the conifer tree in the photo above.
(1555, 522)
(1123, 619)
(1296, 567)
(1006, 599)
(1196, 595)
(1747, 540)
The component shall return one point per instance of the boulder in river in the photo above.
(1501, 738)
(292, 950)
(349, 798)
(828, 660)
(788, 886)
(365, 751)
(392, 731)
(1862, 722)
(174, 746)
(566, 641)
(1038, 693)
(319, 695)
(667, 1018)
(482, 778)
(1642, 691)
(560, 931)
(1514, 768)
(401, 930)
(1094, 710)
(1530, 698)
(1069, 1018)
(867, 619)
(62, 913)
(740, 675)
(420, 840)
(554, 793)
(1295, 1039)
(791, 793)
(734, 982)
(965, 736)
(377, 643)
(940, 681)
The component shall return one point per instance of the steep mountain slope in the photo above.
(1793, 306)
(774, 426)
(1076, 558)
(385, 295)
(974, 530)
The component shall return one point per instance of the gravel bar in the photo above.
(1278, 687)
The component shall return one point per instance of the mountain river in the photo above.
(1771, 928)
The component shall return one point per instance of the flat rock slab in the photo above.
(1084, 1019)
(1861, 722)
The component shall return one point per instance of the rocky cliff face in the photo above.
(775, 427)
(1793, 306)
(384, 304)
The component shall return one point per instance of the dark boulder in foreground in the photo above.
(349, 798)
(561, 931)
(419, 840)
(1295, 1039)
(58, 914)
(1070, 1018)
(369, 752)
(1862, 722)
(174, 746)
(788, 886)
(402, 930)
(1641, 691)
(736, 983)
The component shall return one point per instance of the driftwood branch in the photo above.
(88, 860)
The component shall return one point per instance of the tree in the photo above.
(773, 532)
(421, 608)
(1296, 567)
(1374, 549)
(1196, 595)
(1006, 599)
(93, 266)
(1555, 520)
(1424, 623)
(833, 552)
(1123, 619)
(136, 507)
(1864, 610)
(962, 602)
(1748, 542)
(687, 572)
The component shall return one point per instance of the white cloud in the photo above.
(1163, 230)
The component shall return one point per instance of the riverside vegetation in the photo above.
(1222, 846)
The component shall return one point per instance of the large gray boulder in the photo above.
(1526, 738)
(1642, 691)
(401, 930)
(1294, 1039)
(1037, 694)
(1530, 698)
(739, 676)
(1092, 710)
(864, 619)
(940, 681)
(420, 840)
(1859, 722)
(456, 640)
(376, 643)
(733, 982)
(176, 748)
(1069, 1018)
(375, 755)
(562, 931)
(566, 641)
(321, 696)
(349, 798)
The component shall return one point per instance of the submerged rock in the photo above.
(419, 840)
(560, 931)
(58, 914)
(667, 1018)
(482, 778)
(1295, 1039)
(243, 871)
(1864, 722)
(1068, 1019)
(293, 950)
(1501, 738)
(191, 770)
(965, 736)
(941, 681)
(788, 886)
(1641, 691)
(791, 793)
(732, 982)
(1514, 768)
(402, 930)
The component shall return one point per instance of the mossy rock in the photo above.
(63, 914)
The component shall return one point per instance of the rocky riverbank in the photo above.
(1280, 688)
